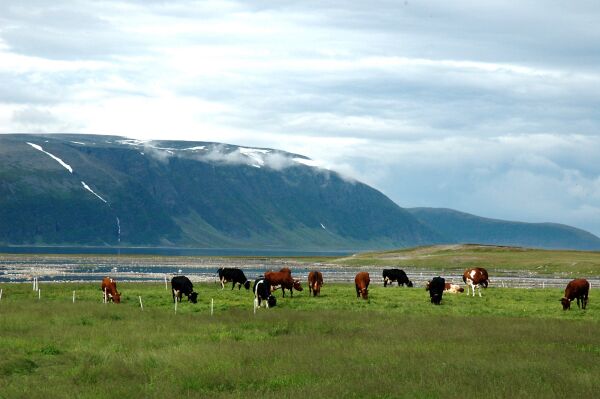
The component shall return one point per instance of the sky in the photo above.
(486, 107)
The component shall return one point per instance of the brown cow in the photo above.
(109, 290)
(284, 279)
(361, 282)
(476, 277)
(576, 289)
(315, 281)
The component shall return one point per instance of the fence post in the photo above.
(212, 305)
(176, 304)
(141, 305)
(166, 288)
(73, 296)
(0, 294)
(39, 294)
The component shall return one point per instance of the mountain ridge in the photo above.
(73, 189)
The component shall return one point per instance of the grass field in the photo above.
(510, 343)
(458, 257)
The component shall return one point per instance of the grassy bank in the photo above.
(458, 257)
(510, 343)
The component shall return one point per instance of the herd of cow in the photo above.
(264, 286)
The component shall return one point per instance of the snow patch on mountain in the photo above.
(307, 162)
(92, 191)
(57, 159)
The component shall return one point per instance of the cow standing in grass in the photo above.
(397, 275)
(476, 277)
(284, 279)
(182, 285)
(262, 292)
(315, 281)
(235, 275)
(576, 289)
(436, 289)
(361, 283)
(109, 290)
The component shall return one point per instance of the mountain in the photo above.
(458, 227)
(92, 190)
(66, 189)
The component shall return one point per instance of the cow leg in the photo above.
(479, 286)
(222, 283)
(357, 291)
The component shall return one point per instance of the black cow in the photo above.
(182, 285)
(237, 276)
(262, 292)
(436, 289)
(391, 275)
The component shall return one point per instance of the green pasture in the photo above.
(509, 343)
(458, 257)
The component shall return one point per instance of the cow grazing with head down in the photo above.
(182, 285)
(361, 282)
(476, 277)
(262, 292)
(576, 289)
(109, 290)
(284, 279)
(436, 289)
(315, 281)
(237, 276)
(391, 275)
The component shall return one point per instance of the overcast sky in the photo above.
(488, 107)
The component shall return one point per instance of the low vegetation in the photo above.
(458, 257)
(510, 343)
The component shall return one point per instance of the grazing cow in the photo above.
(453, 288)
(182, 285)
(262, 292)
(576, 289)
(476, 277)
(436, 289)
(361, 282)
(237, 276)
(315, 281)
(391, 275)
(109, 290)
(284, 279)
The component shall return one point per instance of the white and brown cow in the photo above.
(476, 277)
(453, 288)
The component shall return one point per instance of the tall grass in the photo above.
(510, 343)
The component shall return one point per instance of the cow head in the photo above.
(117, 297)
(566, 303)
(364, 292)
(247, 284)
(193, 297)
(409, 284)
(316, 287)
(271, 301)
(297, 285)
